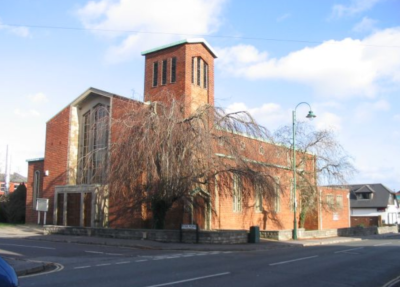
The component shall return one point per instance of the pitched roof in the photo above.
(181, 42)
(15, 177)
(380, 196)
(92, 91)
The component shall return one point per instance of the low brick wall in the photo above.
(280, 235)
(210, 237)
(312, 234)
(364, 231)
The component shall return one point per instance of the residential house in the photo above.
(185, 70)
(373, 205)
(15, 180)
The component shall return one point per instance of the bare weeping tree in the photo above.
(320, 160)
(162, 155)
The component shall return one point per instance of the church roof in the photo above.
(185, 41)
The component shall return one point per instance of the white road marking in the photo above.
(347, 250)
(393, 282)
(163, 257)
(98, 252)
(294, 260)
(28, 246)
(191, 279)
(82, 267)
(382, 244)
(59, 267)
(94, 252)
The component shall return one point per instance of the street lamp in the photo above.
(310, 115)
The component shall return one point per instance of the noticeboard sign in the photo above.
(42, 204)
(188, 227)
(335, 216)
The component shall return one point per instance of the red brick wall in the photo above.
(341, 214)
(224, 217)
(122, 213)
(31, 214)
(198, 50)
(182, 89)
(159, 92)
(56, 156)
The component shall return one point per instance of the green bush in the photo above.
(3, 207)
(12, 206)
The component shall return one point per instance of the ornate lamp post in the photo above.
(310, 115)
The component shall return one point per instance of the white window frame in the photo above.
(277, 203)
(36, 188)
(237, 193)
(258, 199)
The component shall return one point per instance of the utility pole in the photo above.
(7, 174)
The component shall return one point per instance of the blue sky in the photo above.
(342, 56)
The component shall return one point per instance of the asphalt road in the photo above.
(364, 263)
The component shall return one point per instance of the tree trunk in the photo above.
(302, 217)
(160, 208)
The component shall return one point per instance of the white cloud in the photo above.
(365, 25)
(329, 121)
(283, 17)
(330, 104)
(159, 21)
(365, 112)
(396, 117)
(381, 105)
(38, 98)
(26, 113)
(355, 7)
(269, 115)
(378, 173)
(19, 31)
(339, 69)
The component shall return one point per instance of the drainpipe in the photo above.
(348, 206)
(320, 209)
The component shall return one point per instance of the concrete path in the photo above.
(24, 267)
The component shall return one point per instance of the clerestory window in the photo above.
(164, 73)
(173, 70)
(155, 74)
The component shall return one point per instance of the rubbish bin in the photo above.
(254, 236)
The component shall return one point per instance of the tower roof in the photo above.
(185, 41)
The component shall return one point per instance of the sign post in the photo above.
(189, 227)
(42, 204)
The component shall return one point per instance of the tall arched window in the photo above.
(36, 188)
(94, 145)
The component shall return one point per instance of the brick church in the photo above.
(184, 69)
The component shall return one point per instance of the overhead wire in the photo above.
(182, 34)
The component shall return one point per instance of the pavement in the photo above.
(33, 232)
